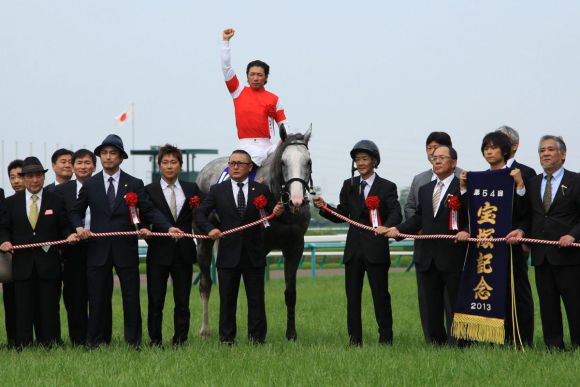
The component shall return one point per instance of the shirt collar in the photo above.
(115, 176)
(29, 194)
(165, 184)
(447, 180)
(510, 162)
(557, 174)
(235, 183)
(369, 180)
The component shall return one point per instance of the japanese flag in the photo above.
(124, 117)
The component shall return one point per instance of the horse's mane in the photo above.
(274, 178)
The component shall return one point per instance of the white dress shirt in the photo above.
(446, 183)
(235, 190)
(29, 201)
(115, 177)
(87, 223)
(369, 182)
(179, 194)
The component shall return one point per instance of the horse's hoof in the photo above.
(291, 335)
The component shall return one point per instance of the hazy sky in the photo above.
(381, 70)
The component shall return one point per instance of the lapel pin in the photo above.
(564, 188)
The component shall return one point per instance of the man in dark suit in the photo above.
(36, 215)
(554, 198)
(74, 274)
(62, 167)
(364, 251)
(441, 261)
(434, 140)
(17, 184)
(524, 298)
(241, 254)
(104, 193)
(174, 199)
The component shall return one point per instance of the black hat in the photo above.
(32, 165)
(366, 146)
(112, 140)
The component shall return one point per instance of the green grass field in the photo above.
(319, 357)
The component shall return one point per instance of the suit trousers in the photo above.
(229, 285)
(524, 300)
(75, 295)
(37, 305)
(100, 309)
(439, 290)
(181, 278)
(378, 278)
(9, 313)
(555, 283)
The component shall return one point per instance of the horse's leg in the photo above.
(204, 254)
(292, 255)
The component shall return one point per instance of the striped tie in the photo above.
(436, 197)
(173, 201)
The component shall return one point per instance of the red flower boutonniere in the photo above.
(194, 202)
(454, 205)
(260, 202)
(372, 204)
(132, 199)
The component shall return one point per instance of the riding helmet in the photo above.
(366, 146)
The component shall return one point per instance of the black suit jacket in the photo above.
(162, 250)
(221, 199)
(527, 172)
(50, 187)
(122, 250)
(447, 255)
(562, 218)
(52, 225)
(68, 191)
(374, 248)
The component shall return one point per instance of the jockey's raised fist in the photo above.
(229, 33)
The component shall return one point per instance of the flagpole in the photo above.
(133, 134)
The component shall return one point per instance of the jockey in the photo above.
(256, 108)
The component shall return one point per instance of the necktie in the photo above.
(33, 214)
(173, 201)
(436, 197)
(363, 185)
(111, 193)
(547, 199)
(241, 200)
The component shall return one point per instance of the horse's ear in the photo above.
(308, 133)
(283, 133)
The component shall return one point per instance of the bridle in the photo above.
(307, 185)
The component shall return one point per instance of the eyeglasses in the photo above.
(442, 158)
(234, 164)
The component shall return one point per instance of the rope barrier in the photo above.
(446, 236)
(154, 234)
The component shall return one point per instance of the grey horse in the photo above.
(287, 172)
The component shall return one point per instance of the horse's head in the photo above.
(296, 166)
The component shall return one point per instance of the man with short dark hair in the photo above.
(364, 251)
(496, 148)
(17, 183)
(241, 254)
(74, 276)
(434, 140)
(36, 215)
(176, 201)
(105, 194)
(256, 109)
(441, 260)
(61, 166)
(554, 197)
